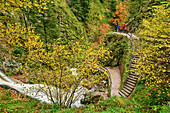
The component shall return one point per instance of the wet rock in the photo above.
(91, 99)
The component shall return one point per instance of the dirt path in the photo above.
(128, 35)
(116, 80)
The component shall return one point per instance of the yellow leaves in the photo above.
(63, 3)
(44, 8)
(36, 5)
(29, 5)
(7, 4)
(121, 12)
(164, 36)
(156, 26)
(113, 15)
(40, 60)
(39, 10)
(120, 100)
(100, 17)
(82, 37)
(43, 3)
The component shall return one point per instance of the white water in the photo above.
(40, 91)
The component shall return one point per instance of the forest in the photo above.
(84, 56)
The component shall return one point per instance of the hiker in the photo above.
(119, 27)
(116, 27)
(123, 27)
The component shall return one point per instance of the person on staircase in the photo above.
(123, 27)
(118, 27)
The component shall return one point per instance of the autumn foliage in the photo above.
(103, 29)
(120, 15)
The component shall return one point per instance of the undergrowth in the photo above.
(13, 102)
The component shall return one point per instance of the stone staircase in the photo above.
(132, 77)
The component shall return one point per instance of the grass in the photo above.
(13, 102)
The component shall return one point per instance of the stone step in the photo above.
(132, 77)
(127, 91)
(135, 56)
(124, 92)
(134, 65)
(132, 62)
(131, 81)
(123, 95)
(129, 86)
(133, 74)
(132, 68)
(135, 53)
